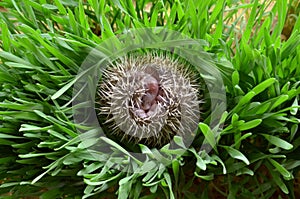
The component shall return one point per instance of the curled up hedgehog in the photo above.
(149, 99)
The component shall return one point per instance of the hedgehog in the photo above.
(148, 99)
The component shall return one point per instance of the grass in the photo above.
(255, 45)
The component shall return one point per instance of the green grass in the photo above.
(43, 44)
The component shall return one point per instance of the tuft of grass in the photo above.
(255, 45)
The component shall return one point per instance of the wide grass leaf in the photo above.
(236, 154)
(278, 142)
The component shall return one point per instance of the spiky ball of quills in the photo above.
(149, 98)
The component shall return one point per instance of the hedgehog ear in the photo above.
(152, 70)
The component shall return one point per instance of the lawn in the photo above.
(149, 99)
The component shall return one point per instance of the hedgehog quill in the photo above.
(148, 98)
